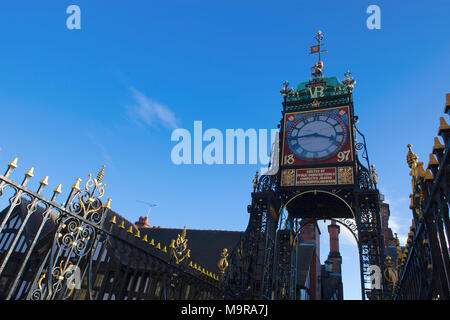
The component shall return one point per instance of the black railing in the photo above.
(83, 250)
(424, 272)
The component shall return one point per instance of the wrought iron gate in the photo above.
(80, 249)
(424, 268)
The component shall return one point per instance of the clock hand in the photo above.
(315, 134)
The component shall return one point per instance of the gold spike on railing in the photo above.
(76, 185)
(13, 163)
(107, 205)
(29, 174)
(74, 189)
(433, 161)
(437, 144)
(56, 191)
(43, 183)
(443, 125)
(429, 175)
(11, 166)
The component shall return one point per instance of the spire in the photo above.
(316, 70)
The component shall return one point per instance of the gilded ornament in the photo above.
(223, 263)
(179, 250)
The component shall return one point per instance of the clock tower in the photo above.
(324, 174)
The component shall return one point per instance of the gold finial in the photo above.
(437, 144)
(433, 161)
(223, 263)
(30, 172)
(113, 220)
(101, 174)
(349, 82)
(76, 185)
(411, 157)
(44, 181)
(13, 163)
(429, 175)
(58, 188)
(255, 180)
(443, 125)
(285, 90)
(390, 274)
(373, 174)
(107, 205)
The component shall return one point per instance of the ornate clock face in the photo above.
(317, 136)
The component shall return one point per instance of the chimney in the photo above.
(333, 230)
(142, 223)
(335, 257)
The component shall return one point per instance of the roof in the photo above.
(331, 82)
(205, 245)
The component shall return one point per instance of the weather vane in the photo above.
(316, 49)
(316, 71)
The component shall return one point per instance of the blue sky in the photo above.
(112, 92)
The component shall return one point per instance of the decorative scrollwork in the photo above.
(179, 250)
(78, 232)
(87, 203)
(390, 272)
(359, 146)
(267, 183)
